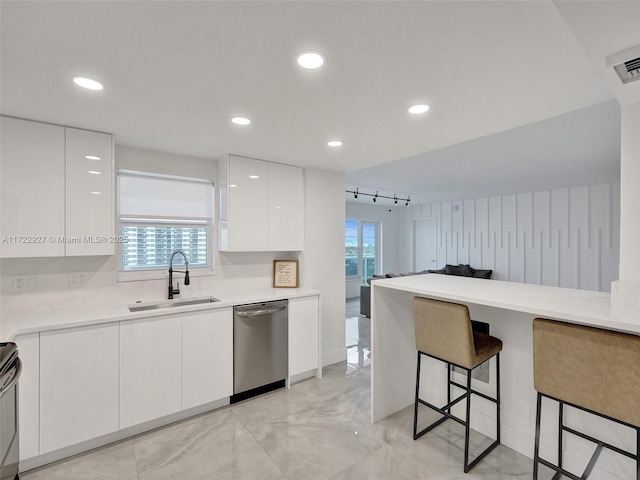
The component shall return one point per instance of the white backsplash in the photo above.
(48, 284)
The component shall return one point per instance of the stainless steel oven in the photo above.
(10, 369)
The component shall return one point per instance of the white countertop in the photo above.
(586, 307)
(41, 321)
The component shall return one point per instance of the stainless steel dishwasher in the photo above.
(260, 348)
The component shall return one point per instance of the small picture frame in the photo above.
(285, 274)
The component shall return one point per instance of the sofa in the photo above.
(461, 270)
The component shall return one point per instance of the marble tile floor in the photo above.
(318, 429)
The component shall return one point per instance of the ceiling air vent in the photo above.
(626, 64)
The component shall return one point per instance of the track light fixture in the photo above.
(376, 195)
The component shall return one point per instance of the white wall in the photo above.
(630, 201)
(389, 218)
(322, 264)
(566, 237)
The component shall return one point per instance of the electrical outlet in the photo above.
(19, 283)
(78, 279)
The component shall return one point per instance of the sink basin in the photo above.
(139, 307)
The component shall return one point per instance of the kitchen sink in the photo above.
(139, 307)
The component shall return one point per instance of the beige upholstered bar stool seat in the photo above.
(590, 369)
(443, 331)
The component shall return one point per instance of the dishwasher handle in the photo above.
(259, 311)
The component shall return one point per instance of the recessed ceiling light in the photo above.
(335, 143)
(419, 108)
(254, 176)
(241, 120)
(94, 172)
(232, 185)
(88, 83)
(96, 193)
(92, 157)
(310, 60)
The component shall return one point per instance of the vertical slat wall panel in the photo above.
(484, 255)
(566, 237)
(609, 251)
(561, 237)
(545, 269)
(515, 254)
(579, 233)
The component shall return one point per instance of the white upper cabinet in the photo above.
(286, 207)
(89, 193)
(51, 205)
(261, 205)
(246, 186)
(32, 205)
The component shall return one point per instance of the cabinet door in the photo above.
(78, 385)
(29, 398)
(303, 335)
(89, 193)
(286, 207)
(150, 369)
(32, 206)
(248, 220)
(207, 356)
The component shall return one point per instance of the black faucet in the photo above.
(176, 291)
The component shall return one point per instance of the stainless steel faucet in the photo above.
(176, 291)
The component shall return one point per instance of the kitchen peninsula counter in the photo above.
(509, 308)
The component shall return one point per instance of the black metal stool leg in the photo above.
(415, 407)
(449, 387)
(498, 397)
(638, 454)
(536, 449)
(467, 426)
(560, 431)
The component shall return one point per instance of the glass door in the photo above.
(369, 236)
(362, 249)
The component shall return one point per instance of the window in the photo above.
(361, 249)
(351, 246)
(160, 214)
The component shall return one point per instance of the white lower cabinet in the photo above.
(78, 385)
(303, 335)
(29, 406)
(207, 356)
(85, 382)
(150, 369)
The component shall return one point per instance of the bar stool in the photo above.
(443, 331)
(593, 370)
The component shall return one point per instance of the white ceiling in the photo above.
(176, 71)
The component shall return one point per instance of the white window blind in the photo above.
(151, 196)
(160, 214)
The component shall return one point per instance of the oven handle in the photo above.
(14, 380)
